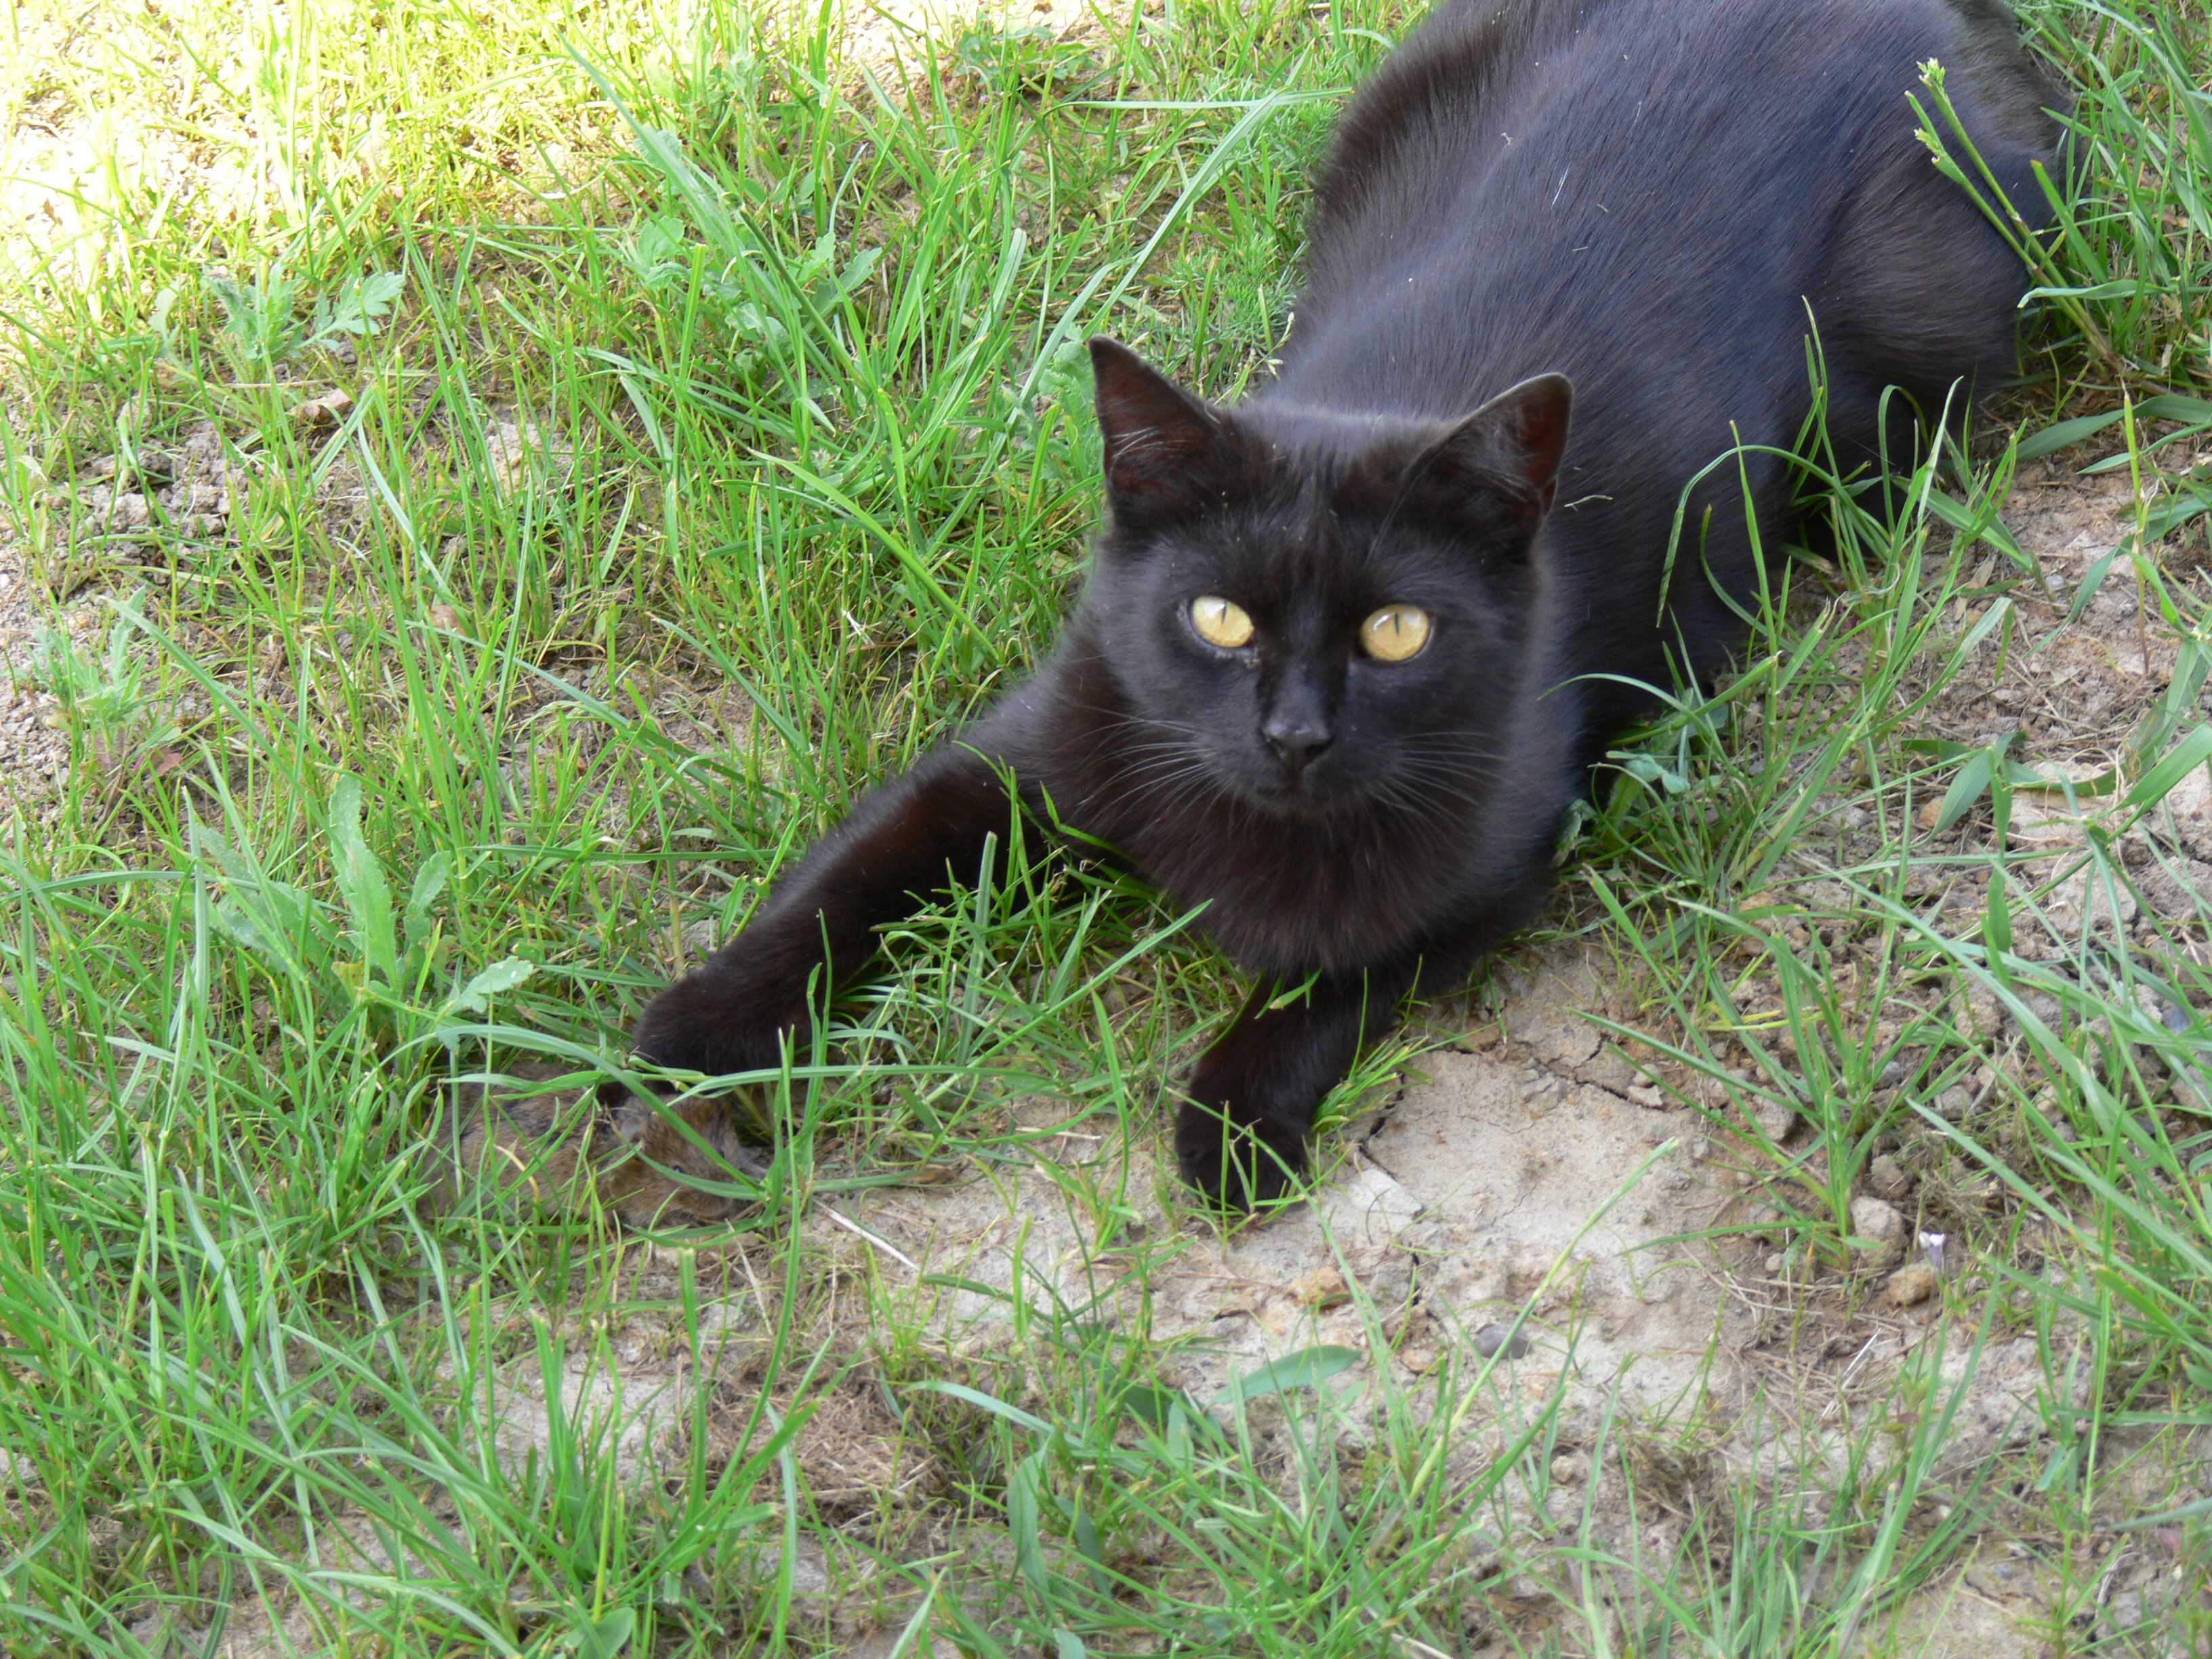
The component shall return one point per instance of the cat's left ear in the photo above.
(1516, 439)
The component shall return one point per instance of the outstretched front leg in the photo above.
(1241, 1136)
(912, 837)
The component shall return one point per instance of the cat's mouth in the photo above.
(1303, 792)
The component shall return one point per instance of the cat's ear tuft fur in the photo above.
(1163, 445)
(1516, 440)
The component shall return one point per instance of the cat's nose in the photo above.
(1296, 727)
(1295, 737)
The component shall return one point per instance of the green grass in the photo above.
(717, 437)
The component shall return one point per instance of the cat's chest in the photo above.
(1284, 896)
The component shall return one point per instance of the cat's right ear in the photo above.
(1163, 448)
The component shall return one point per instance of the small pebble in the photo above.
(1911, 1284)
(1324, 1287)
(1882, 1230)
(1492, 1340)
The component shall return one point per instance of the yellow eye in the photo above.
(1220, 622)
(1395, 633)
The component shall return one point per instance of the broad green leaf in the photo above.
(361, 881)
(605, 1637)
(1966, 789)
(2171, 407)
(430, 882)
(2170, 514)
(2060, 434)
(362, 304)
(2175, 406)
(502, 975)
(1308, 1368)
(1153, 1407)
(273, 918)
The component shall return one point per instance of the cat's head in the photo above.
(1316, 611)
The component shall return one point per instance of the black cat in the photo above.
(1332, 673)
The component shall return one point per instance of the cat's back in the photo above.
(1523, 186)
(1486, 89)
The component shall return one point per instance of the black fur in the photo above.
(1647, 197)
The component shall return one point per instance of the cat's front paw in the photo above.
(1237, 1162)
(716, 1020)
(726, 1016)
